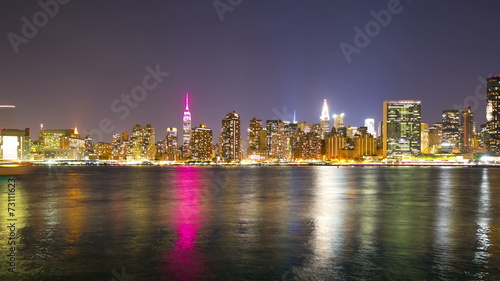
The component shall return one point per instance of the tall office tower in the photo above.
(125, 146)
(186, 130)
(272, 128)
(435, 133)
(116, 146)
(171, 145)
(202, 143)
(401, 130)
(380, 128)
(171, 139)
(450, 138)
(338, 120)
(230, 138)
(493, 115)
(370, 125)
(89, 145)
(324, 120)
(253, 142)
(143, 143)
(483, 136)
(468, 128)
(424, 135)
(15, 144)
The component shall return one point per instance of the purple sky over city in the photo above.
(255, 57)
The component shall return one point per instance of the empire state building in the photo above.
(186, 126)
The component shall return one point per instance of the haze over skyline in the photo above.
(261, 58)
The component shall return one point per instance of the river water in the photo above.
(252, 223)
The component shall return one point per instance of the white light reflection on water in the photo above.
(442, 241)
(483, 219)
(329, 215)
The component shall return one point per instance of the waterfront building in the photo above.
(104, 151)
(468, 129)
(364, 145)
(401, 129)
(254, 139)
(424, 135)
(171, 145)
(15, 144)
(202, 143)
(142, 143)
(62, 144)
(54, 138)
(310, 146)
(334, 144)
(435, 133)
(230, 138)
(493, 115)
(450, 138)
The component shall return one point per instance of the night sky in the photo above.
(263, 57)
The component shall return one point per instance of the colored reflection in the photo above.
(185, 261)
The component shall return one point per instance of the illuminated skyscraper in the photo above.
(201, 143)
(171, 145)
(256, 149)
(468, 128)
(370, 125)
(450, 138)
(186, 130)
(493, 115)
(143, 143)
(171, 138)
(272, 128)
(435, 133)
(401, 127)
(324, 120)
(338, 120)
(230, 138)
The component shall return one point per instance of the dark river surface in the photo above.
(252, 223)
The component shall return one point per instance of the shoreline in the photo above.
(113, 164)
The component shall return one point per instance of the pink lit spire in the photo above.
(187, 102)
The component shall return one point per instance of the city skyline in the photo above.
(288, 56)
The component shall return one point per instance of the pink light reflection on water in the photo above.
(184, 261)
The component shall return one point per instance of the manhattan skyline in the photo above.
(260, 59)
